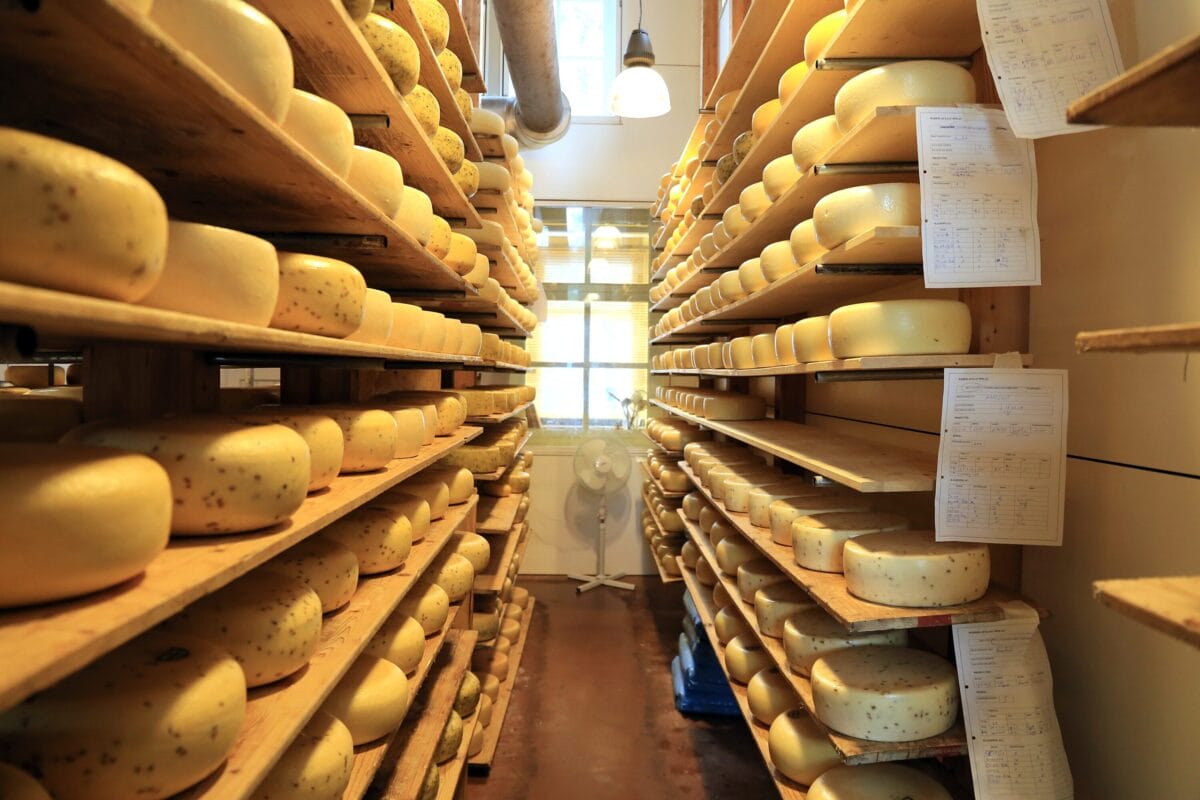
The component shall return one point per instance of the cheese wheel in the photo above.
(326, 443)
(78, 519)
(225, 477)
(486, 123)
(469, 692)
(168, 702)
(478, 275)
(704, 573)
(449, 147)
(396, 51)
(777, 261)
(316, 764)
(810, 634)
(721, 597)
(904, 83)
(490, 685)
(16, 784)
(452, 68)
(376, 326)
(371, 698)
(885, 694)
(900, 327)
(398, 504)
(425, 107)
(760, 498)
(690, 554)
(378, 178)
(318, 295)
(487, 624)
(875, 780)
(472, 340)
(817, 501)
(801, 750)
(476, 745)
(911, 569)
(467, 176)
(407, 322)
(803, 240)
(764, 116)
(439, 237)
(239, 43)
(692, 503)
(489, 661)
(770, 694)
(675, 480)
(379, 539)
(775, 603)
(400, 640)
(779, 175)
(451, 410)
(269, 621)
(744, 657)
(511, 628)
(460, 482)
(817, 540)
(750, 275)
(735, 221)
(754, 201)
(817, 40)
(840, 216)
(729, 624)
(724, 105)
(730, 285)
(737, 488)
(474, 548)
(415, 216)
(454, 574)
(743, 144)
(733, 551)
(810, 340)
(370, 437)
(813, 141)
(449, 740)
(785, 353)
(435, 22)
(428, 604)
(465, 107)
(755, 574)
(327, 567)
(431, 784)
(791, 80)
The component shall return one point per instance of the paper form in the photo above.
(1013, 738)
(1046, 54)
(1002, 456)
(978, 200)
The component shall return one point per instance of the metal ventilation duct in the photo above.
(540, 113)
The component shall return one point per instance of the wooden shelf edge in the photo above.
(1144, 339)
(1157, 91)
(492, 582)
(500, 416)
(497, 514)
(491, 734)
(1170, 605)
(873, 364)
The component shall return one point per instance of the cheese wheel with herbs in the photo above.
(327, 567)
(318, 295)
(904, 83)
(450, 739)
(428, 604)
(473, 547)
(454, 573)
(821, 34)
(755, 574)
(810, 634)
(449, 147)
(743, 144)
(400, 640)
(885, 694)
(817, 540)
(801, 750)
(843, 782)
(818, 501)
(840, 216)
(467, 177)
(380, 540)
(78, 519)
(770, 694)
(439, 237)
(912, 570)
(269, 621)
(900, 327)
(754, 201)
(378, 178)
(469, 692)
(460, 483)
(452, 68)
(733, 551)
(401, 504)
(745, 656)
(171, 702)
(425, 107)
(371, 699)
(395, 49)
(326, 443)
(316, 765)
(435, 22)
(810, 340)
(777, 602)
(779, 175)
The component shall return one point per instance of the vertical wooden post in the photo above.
(737, 16)
(134, 380)
(472, 11)
(710, 50)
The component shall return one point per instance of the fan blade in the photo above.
(592, 481)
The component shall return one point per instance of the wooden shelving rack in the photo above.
(1170, 605)
(499, 416)
(662, 572)
(1159, 91)
(460, 44)
(491, 734)
(667, 494)
(497, 514)
(504, 549)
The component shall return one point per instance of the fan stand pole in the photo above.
(601, 578)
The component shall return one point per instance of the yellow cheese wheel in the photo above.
(704, 573)
(840, 216)
(170, 703)
(779, 175)
(16, 784)
(754, 201)
(467, 177)
(415, 216)
(239, 43)
(433, 331)
(369, 436)
(431, 784)
(381, 540)
(452, 68)
(490, 661)
(459, 482)
(376, 325)
(733, 551)
(465, 106)
(425, 107)
(474, 548)
(815, 501)
(378, 178)
(777, 602)
(328, 568)
(801, 750)
(511, 628)
(469, 692)
(435, 22)
(755, 574)
(487, 123)
(476, 745)
(358, 9)
(487, 624)
(326, 443)
(449, 147)
(395, 49)
(450, 739)
(451, 410)
(791, 80)
(904, 83)
(318, 295)
(35, 376)
(810, 339)
(439, 238)
(821, 34)
(785, 352)
(805, 247)
(316, 765)
(875, 780)
(813, 141)
(728, 623)
(810, 634)
(777, 261)
(817, 540)
(764, 116)
(79, 519)
(722, 598)
(745, 657)
(900, 327)
(750, 275)
(735, 221)
(454, 574)
(410, 432)
(428, 604)
(491, 691)
(226, 477)
(770, 694)
(407, 321)
(371, 698)
(400, 640)
(912, 569)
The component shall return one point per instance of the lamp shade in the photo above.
(640, 92)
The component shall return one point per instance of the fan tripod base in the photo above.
(593, 581)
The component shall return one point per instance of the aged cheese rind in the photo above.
(817, 540)
(810, 634)
(800, 749)
(911, 569)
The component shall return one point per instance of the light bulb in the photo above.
(639, 93)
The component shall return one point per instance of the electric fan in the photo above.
(601, 467)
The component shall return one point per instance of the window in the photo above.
(591, 352)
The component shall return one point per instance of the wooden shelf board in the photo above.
(667, 494)
(470, 308)
(504, 271)
(497, 515)
(806, 288)
(674, 301)
(491, 734)
(42, 644)
(276, 713)
(213, 156)
(857, 463)
(758, 25)
(1159, 91)
(460, 44)
(499, 416)
(788, 789)
(369, 757)
(334, 61)
(695, 233)
(418, 736)
(908, 29)
(491, 581)
(500, 207)
(869, 364)
(1171, 605)
(451, 772)
(1144, 339)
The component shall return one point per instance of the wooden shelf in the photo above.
(853, 751)
(500, 207)
(886, 29)
(334, 60)
(828, 589)
(497, 474)
(491, 734)
(491, 581)
(417, 738)
(662, 573)
(1159, 91)
(857, 463)
(889, 364)
(497, 515)
(1171, 605)
(760, 22)
(450, 773)
(369, 757)
(500, 416)
(788, 789)
(470, 308)
(460, 44)
(505, 273)
(276, 713)
(1145, 339)
(667, 494)
(828, 279)
(690, 148)
(42, 644)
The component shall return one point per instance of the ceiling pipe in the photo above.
(540, 113)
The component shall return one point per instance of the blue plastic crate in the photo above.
(691, 699)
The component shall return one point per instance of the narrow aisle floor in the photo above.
(593, 714)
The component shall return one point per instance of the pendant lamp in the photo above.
(639, 91)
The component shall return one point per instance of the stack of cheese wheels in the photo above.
(842, 215)
(817, 540)
(169, 702)
(371, 698)
(459, 484)
(745, 657)
(885, 694)
(770, 694)
(811, 633)
(319, 295)
(875, 780)
(900, 328)
(815, 501)
(79, 519)
(400, 640)
(321, 128)
(370, 436)
(800, 749)
(316, 765)
(378, 537)
(327, 567)
(911, 569)
(428, 604)
(778, 602)
(225, 477)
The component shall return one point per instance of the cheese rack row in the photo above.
(666, 493)
(491, 736)
(662, 572)
(498, 473)
(505, 548)
(904, 366)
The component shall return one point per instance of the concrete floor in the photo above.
(593, 715)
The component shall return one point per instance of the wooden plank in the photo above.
(666, 493)
(418, 736)
(491, 580)
(40, 645)
(491, 734)
(869, 364)
(460, 44)
(497, 514)
(500, 416)
(276, 713)
(369, 757)
(760, 22)
(860, 464)
(1144, 339)
(908, 29)
(87, 73)
(451, 773)
(1159, 91)
(1171, 605)
(334, 61)
(470, 308)
(501, 210)
(710, 26)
